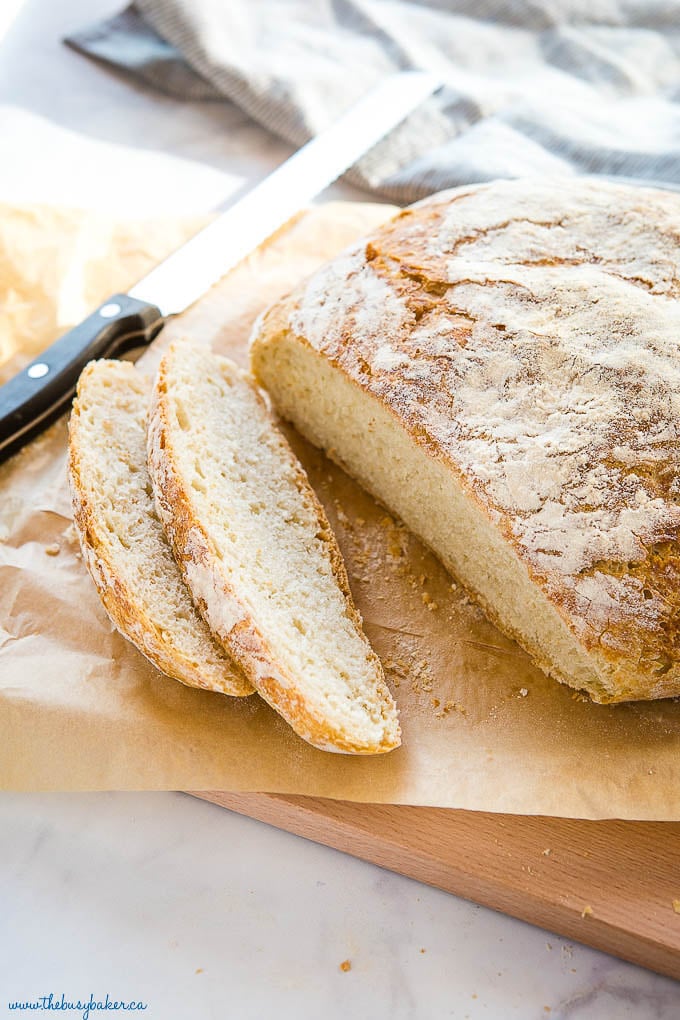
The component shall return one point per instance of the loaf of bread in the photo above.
(500, 366)
(122, 539)
(258, 554)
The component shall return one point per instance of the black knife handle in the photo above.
(45, 388)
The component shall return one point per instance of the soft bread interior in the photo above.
(123, 539)
(276, 558)
(364, 437)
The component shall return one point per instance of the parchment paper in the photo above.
(81, 709)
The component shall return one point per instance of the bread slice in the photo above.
(259, 556)
(122, 539)
(499, 366)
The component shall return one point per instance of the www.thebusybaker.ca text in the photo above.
(82, 1006)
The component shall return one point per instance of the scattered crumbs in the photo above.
(397, 669)
(651, 772)
(450, 706)
(345, 966)
(53, 550)
(568, 951)
(423, 950)
(572, 970)
(579, 696)
(199, 970)
(547, 1009)
(474, 995)
(587, 911)
(523, 692)
(546, 852)
(676, 906)
(429, 602)
(548, 946)
(436, 702)
(421, 677)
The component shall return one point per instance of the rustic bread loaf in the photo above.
(500, 366)
(122, 539)
(259, 556)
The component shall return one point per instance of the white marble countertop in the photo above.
(161, 898)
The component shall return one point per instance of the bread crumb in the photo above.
(676, 906)
(394, 548)
(199, 970)
(53, 550)
(345, 966)
(523, 692)
(546, 852)
(341, 515)
(429, 602)
(423, 950)
(587, 911)
(451, 706)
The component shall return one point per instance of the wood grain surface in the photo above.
(608, 884)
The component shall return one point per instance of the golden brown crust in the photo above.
(123, 606)
(525, 335)
(195, 551)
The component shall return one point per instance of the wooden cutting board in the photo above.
(609, 884)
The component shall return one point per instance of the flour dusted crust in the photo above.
(526, 335)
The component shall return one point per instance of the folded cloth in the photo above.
(532, 86)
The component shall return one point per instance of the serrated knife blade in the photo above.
(45, 388)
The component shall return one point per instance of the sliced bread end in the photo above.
(122, 539)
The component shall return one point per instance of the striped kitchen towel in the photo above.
(532, 86)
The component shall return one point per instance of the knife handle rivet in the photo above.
(108, 311)
(38, 370)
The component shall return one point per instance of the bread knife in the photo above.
(43, 390)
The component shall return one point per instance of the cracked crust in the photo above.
(525, 336)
